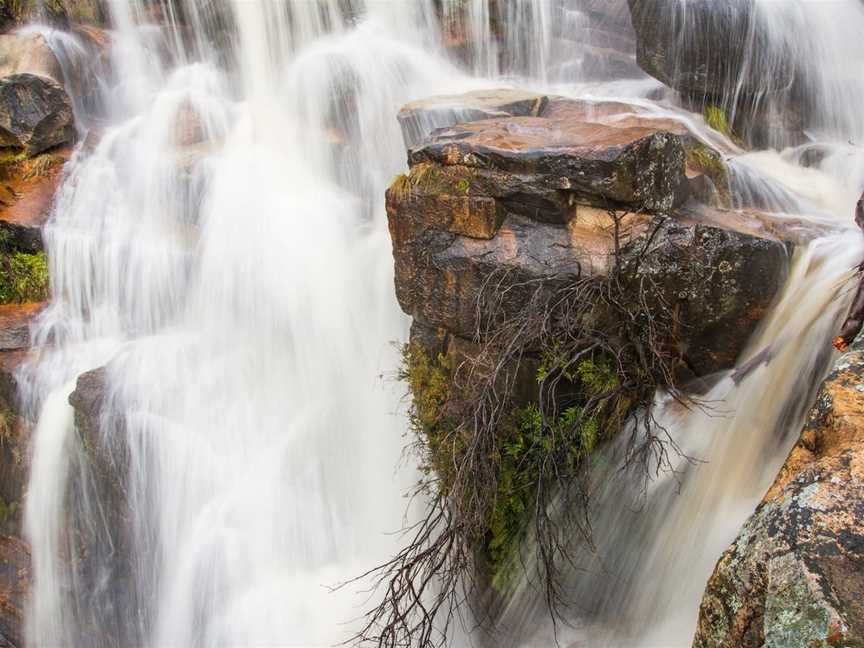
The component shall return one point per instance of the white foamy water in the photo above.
(220, 245)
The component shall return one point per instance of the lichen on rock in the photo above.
(794, 577)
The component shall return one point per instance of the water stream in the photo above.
(220, 245)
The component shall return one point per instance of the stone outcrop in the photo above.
(15, 349)
(538, 197)
(35, 113)
(794, 576)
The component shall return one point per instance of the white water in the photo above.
(240, 293)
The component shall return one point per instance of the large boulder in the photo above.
(540, 199)
(28, 52)
(704, 48)
(35, 113)
(794, 576)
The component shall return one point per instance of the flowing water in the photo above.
(220, 246)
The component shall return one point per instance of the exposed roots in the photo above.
(499, 467)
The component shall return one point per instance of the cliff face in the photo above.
(794, 576)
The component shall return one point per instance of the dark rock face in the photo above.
(103, 564)
(794, 577)
(35, 113)
(537, 198)
(699, 47)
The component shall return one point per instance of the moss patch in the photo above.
(23, 277)
(707, 161)
(528, 439)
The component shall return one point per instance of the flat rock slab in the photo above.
(421, 117)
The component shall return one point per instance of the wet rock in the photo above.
(15, 350)
(28, 189)
(538, 199)
(14, 588)
(551, 164)
(28, 53)
(35, 113)
(419, 118)
(104, 566)
(794, 576)
(704, 48)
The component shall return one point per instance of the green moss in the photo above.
(23, 277)
(400, 188)
(428, 178)
(430, 382)
(716, 118)
(708, 161)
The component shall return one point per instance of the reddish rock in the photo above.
(27, 192)
(794, 576)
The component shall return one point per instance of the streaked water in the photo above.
(234, 274)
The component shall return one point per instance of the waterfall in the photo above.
(219, 245)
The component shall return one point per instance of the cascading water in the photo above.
(221, 248)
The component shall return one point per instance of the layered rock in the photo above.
(794, 576)
(15, 350)
(540, 197)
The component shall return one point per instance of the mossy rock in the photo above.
(23, 277)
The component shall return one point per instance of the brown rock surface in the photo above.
(794, 577)
(538, 198)
(27, 192)
(14, 588)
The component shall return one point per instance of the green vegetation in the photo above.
(428, 178)
(708, 161)
(716, 118)
(23, 277)
(504, 423)
(527, 439)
